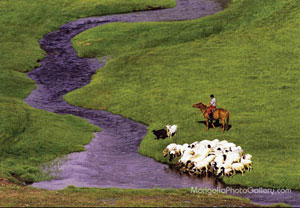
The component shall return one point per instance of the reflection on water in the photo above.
(223, 3)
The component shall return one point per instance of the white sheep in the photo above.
(225, 169)
(199, 157)
(200, 148)
(247, 163)
(228, 145)
(204, 163)
(206, 143)
(186, 156)
(223, 142)
(238, 167)
(228, 172)
(233, 157)
(219, 158)
(175, 151)
(171, 130)
(169, 148)
(194, 158)
(247, 157)
(238, 150)
(214, 143)
(219, 148)
(194, 144)
(183, 148)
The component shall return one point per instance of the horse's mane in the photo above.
(203, 104)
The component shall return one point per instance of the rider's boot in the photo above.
(211, 116)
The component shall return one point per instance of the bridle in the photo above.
(204, 110)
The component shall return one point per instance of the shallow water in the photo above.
(112, 158)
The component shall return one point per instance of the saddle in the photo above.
(211, 115)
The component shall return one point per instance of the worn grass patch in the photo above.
(247, 56)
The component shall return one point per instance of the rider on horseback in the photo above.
(212, 106)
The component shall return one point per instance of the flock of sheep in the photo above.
(220, 158)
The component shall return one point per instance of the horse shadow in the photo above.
(216, 123)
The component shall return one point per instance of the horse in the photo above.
(219, 113)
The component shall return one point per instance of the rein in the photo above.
(203, 111)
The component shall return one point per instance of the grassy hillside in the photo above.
(247, 56)
(29, 137)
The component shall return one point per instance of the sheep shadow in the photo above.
(216, 123)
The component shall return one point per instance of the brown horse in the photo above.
(219, 113)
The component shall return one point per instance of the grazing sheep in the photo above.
(219, 158)
(225, 169)
(186, 156)
(201, 155)
(247, 157)
(228, 172)
(176, 151)
(214, 166)
(168, 149)
(225, 166)
(201, 149)
(219, 148)
(238, 167)
(205, 143)
(171, 130)
(179, 150)
(247, 163)
(228, 145)
(237, 149)
(204, 163)
(214, 143)
(162, 133)
(172, 155)
(194, 144)
(198, 158)
(233, 157)
(223, 142)
(194, 158)
(183, 148)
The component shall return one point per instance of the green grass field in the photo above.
(30, 137)
(247, 56)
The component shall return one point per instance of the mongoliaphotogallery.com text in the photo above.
(230, 190)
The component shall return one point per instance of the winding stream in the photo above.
(112, 158)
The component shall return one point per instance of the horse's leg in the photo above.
(213, 125)
(223, 124)
(206, 124)
(227, 121)
(212, 121)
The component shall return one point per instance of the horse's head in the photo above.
(199, 105)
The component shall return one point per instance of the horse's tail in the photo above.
(227, 120)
